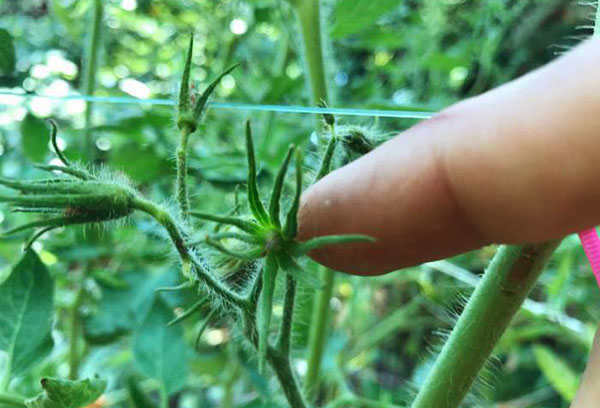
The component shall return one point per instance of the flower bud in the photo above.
(357, 142)
(72, 201)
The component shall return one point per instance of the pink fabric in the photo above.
(591, 245)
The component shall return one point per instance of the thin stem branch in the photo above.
(283, 370)
(318, 332)
(91, 65)
(503, 288)
(182, 172)
(188, 260)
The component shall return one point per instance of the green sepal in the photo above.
(290, 229)
(265, 308)
(247, 256)
(193, 309)
(184, 90)
(256, 206)
(201, 102)
(289, 265)
(236, 222)
(78, 173)
(274, 202)
(328, 118)
(249, 239)
(184, 285)
(43, 186)
(303, 248)
(40, 210)
(55, 222)
(204, 326)
(100, 201)
(53, 133)
(325, 166)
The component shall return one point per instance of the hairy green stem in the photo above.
(285, 331)
(283, 370)
(10, 400)
(318, 332)
(499, 295)
(182, 189)
(187, 258)
(309, 17)
(91, 65)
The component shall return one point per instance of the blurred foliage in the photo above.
(380, 54)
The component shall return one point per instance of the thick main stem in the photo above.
(283, 370)
(309, 17)
(499, 295)
(318, 332)
(91, 65)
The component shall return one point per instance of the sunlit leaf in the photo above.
(160, 351)
(34, 137)
(353, 16)
(26, 307)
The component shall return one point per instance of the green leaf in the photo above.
(557, 371)
(7, 53)
(121, 309)
(67, 394)
(353, 16)
(140, 163)
(34, 137)
(26, 307)
(160, 351)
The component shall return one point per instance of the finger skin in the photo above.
(518, 164)
(588, 393)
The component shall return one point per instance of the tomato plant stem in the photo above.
(285, 334)
(316, 339)
(74, 334)
(499, 295)
(182, 189)
(309, 17)
(188, 259)
(283, 370)
(91, 65)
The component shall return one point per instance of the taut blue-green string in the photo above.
(382, 113)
